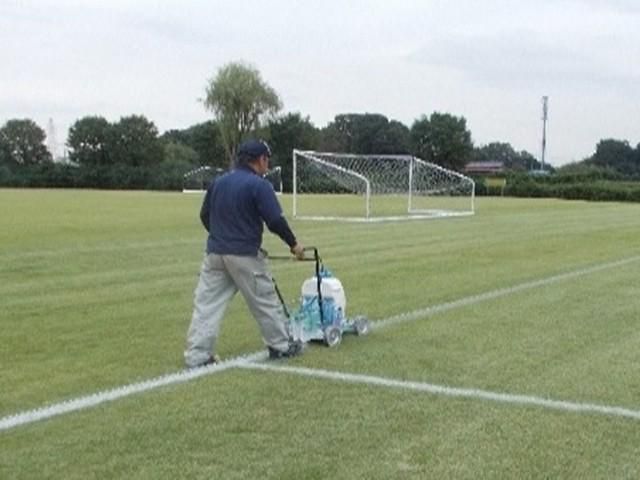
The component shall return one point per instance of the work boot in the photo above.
(212, 360)
(295, 349)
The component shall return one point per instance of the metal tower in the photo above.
(51, 140)
(545, 110)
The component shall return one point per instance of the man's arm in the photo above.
(205, 209)
(281, 228)
(273, 217)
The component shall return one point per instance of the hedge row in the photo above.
(161, 177)
(169, 176)
(601, 190)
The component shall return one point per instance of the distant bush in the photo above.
(165, 176)
(587, 185)
(582, 182)
(584, 173)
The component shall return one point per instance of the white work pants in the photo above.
(221, 276)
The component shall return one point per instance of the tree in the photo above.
(176, 153)
(442, 139)
(365, 133)
(134, 141)
(240, 100)
(397, 138)
(287, 133)
(205, 139)
(88, 141)
(5, 155)
(178, 159)
(531, 163)
(504, 152)
(495, 152)
(22, 144)
(617, 154)
(337, 135)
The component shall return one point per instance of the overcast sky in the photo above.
(490, 61)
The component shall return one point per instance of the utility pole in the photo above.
(545, 110)
(51, 140)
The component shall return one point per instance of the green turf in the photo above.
(96, 291)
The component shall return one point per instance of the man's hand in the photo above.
(298, 251)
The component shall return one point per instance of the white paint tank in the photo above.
(331, 289)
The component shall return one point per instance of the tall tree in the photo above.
(88, 141)
(177, 153)
(22, 143)
(505, 153)
(397, 138)
(443, 139)
(204, 139)
(287, 133)
(134, 141)
(240, 100)
(616, 154)
(365, 133)
(6, 160)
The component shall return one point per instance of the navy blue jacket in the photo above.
(234, 209)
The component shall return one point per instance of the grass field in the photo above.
(505, 345)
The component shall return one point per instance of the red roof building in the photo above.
(484, 168)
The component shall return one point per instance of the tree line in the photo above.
(131, 153)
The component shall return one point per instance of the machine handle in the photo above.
(318, 264)
(316, 257)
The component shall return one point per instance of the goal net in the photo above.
(274, 176)
(198, 179)
(340, 186)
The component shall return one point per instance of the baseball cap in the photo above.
(254, 148)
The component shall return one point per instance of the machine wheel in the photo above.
(362, 325)
(332, 336)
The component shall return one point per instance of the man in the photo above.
(234, 210)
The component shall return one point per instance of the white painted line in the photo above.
(81, 403)
(464, 302)
(470, 393)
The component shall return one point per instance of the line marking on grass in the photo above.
(470, 393)
(464, 302)
(81, 403)
(98, 398)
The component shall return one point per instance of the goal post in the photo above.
(351, 187)
(438, 191)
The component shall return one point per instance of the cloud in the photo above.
(489, 61)
(623, 6)
(524, 58)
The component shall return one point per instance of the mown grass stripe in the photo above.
(75, 251)
(464, 302)
(81, 403)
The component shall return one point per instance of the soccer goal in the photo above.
(198, 179)
(274, 176)
(350, 187)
